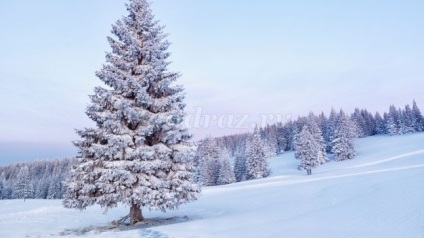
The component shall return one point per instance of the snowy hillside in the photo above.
(378, 194)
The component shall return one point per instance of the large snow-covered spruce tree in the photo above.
(137, 155)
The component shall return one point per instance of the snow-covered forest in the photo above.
(315, 138)
(42, 179)
(239, 157)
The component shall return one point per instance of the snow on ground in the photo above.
(378, 194)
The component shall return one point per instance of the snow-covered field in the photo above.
(378, 194)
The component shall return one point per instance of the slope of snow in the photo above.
(378, 194)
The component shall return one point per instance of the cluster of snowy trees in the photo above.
(312, 136)
(311, 146)
(214, 166)
(40, 180)
(398, 121)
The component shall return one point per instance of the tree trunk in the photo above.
(135, 214)
(309, 171)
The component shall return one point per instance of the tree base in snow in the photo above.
(135, 214)
(147, 223)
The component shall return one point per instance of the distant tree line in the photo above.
(37, 180)
(312, 138)
(239, 157)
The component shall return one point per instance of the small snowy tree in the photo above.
(408, 118)
(240, 164)
(226, 172)
(403, 123)
(418, 120)
(138, 154)
(270, 150)
(391, 126)
(380, 127)
(257, 164)
(329, 129)
(343, 146)
(23, 188)
(42, 188)
(208, 162)
(317, 134)
(6, 188)
(392, 121)
(55, 189)
(210, 171)
(2, 186)
(358, 118)
(307, 150)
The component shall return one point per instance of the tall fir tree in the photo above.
(138, 153)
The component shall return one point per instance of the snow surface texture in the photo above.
(378, 194)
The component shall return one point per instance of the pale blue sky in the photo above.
(236, 56)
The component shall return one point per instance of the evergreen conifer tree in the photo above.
(23, 188)
(329, 129)
(226, 172)
(2, 186)
(209, 162)
(417, 117)
(240, 164)
(257, 163)
(307, 150)
(137, 155)
(408, 120)
(392, 121)
(380, 127)
(317, 134)
(343, 147)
